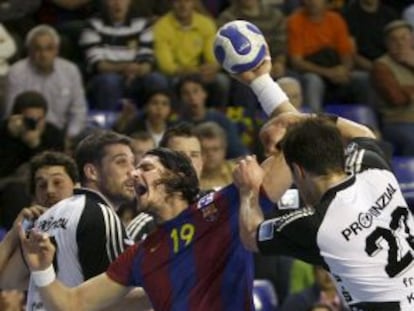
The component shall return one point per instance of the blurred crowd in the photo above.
(70, 67)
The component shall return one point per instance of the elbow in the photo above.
(248, 239)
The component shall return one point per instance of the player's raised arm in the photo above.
(248, 177)
(95, 294)
(10, 272)
(269, 94)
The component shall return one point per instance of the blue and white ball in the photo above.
(239, 46)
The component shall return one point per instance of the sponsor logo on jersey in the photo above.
(52, 223)
(365, 220)
(205, 200)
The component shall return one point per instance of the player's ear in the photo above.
(90, 171)
(298, 170)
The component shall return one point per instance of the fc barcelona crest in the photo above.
(210, 212)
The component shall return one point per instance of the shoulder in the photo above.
(19, 66)
(66, 65)
(298, 16)
(204, 23)
(363, 153)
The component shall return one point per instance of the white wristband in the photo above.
(43, 278)
(268, 92)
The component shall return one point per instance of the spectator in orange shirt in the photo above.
(320, 47)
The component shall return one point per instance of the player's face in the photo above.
(43, 51)
(114, 174)
(149, 190)
(52, 184)
(191, 147)
(214, 153)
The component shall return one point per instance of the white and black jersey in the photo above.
(139, 227)
(361, 231)
(88, 236)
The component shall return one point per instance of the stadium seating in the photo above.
(101, 118)
(359, 113)
(264, 296)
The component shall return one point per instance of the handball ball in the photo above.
(239, 46)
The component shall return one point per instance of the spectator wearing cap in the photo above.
(57, 79)
(393, 78)
(26, 132)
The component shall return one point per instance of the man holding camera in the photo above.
(26, 132)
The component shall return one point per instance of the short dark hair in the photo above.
(316, 145)
(184, 179)
(91, 149)
(52, 158)
(193, 78)
(29, 99)
(157, 91)
(182, 129)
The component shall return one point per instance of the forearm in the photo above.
(137, 299)
(350, 129)
(271, 97)
(15, 274)
(58, 297)
(250, 218)
(7, 247)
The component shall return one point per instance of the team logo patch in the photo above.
(210, 212)
(266, 231)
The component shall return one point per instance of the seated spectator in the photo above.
(154, 118)
(217, 171)
(68, 17)
(293, 90)
(141, 142)
(323, 291)
(7, 49)
(58, 80)
(301, 276)
(366, 20)
(184, 45)
(320, 47)
(273, 26)
(193, 95)
(393, 78)
(26, 132)
(119, 55)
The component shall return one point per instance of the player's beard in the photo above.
(153, 210)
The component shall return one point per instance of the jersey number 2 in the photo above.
(396, 262)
